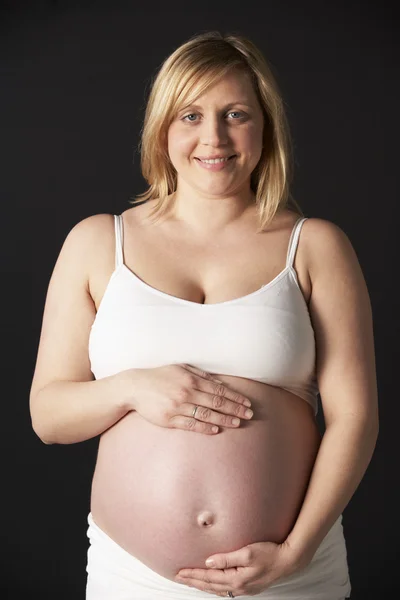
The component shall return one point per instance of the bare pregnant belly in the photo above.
(171, 497)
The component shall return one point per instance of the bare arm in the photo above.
(66, 404)
(67, 412)
(342, 318)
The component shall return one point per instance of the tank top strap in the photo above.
(119, 240)
(293, 242)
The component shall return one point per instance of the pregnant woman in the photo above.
(193, 333)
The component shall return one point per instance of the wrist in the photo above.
(301, 555)
(126, 384)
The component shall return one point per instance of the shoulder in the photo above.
(91, 234)
(326, 245)
(91, 228)
(86, 243)
(337, 278)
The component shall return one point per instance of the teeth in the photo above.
(213, 161)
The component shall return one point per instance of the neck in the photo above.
(207, 215)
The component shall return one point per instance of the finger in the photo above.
(208, 386)
(192, 424)
(225, 401)
(206, 415)
(211, 576)
(218, 389)
(237, 558)
(219, 397)
(222, 389)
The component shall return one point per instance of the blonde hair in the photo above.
(185, 75)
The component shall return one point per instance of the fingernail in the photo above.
(210, 562)
(248, 413)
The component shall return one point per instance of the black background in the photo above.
(74, 82)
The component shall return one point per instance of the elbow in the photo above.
(37, 422)
(45, 441)
(40, 434)
(38, 428)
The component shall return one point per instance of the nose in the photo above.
(213, 131)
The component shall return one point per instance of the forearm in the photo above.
(67, 412)
(343, 457)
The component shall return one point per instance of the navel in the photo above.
(205, 518)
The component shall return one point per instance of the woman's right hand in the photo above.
(166, 396)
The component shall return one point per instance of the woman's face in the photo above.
(225, 121)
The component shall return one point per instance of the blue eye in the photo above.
(191, 115)
(185, 118)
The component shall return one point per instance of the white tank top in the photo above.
(266, 335)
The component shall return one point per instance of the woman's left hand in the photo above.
(247, 571)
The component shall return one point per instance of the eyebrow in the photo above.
(197, 106)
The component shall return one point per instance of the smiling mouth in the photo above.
(218, 160)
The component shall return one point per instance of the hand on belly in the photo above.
(247, 571)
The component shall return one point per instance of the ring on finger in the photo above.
(194, 411)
